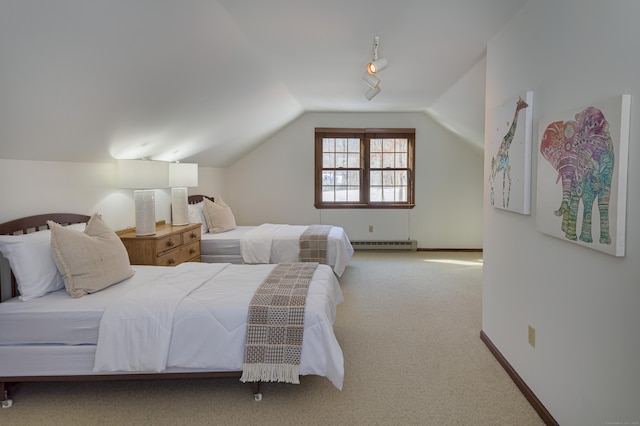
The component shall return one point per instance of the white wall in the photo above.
(457, 108)
(35, 187)
(583, 303)
(274, 183)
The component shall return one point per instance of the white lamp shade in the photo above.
(183, 174)
(371, 93)
(143, 174)
(371, 80)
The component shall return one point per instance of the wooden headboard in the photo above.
(35, 223)
(194, 199)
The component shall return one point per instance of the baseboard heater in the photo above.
(408, 245)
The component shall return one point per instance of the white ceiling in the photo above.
(206, 80)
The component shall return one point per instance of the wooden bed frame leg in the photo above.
(4, 392)
(255, 388)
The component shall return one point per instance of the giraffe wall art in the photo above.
(582, 175)
(510, 147)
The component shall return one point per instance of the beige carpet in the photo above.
(409, 329)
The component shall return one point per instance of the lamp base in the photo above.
(179, 206)
(145, 200)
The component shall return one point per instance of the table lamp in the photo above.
(144, 176)
(181, 176)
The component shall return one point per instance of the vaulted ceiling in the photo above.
(207, 80)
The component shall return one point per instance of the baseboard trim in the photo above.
(451, 249)
(546, 417)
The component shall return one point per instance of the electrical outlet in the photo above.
(532, 336)
(370, 228)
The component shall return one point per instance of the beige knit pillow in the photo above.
(89, 261)
(218, 215)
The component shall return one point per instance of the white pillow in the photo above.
(89, 261)
(218, 215)
(196, 215)
(29, 256)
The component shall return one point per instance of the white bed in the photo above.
(56, 337)
(222, 247)
(223, 241)
(232, 246)
(208, 333)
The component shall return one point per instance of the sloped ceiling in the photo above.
(461, 107)
(207, 81)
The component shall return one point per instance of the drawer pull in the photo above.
(171, 261)
(169, 243)
(194, 236)
(192, 250)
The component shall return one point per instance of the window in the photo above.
(364, 168)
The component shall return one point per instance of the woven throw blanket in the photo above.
(313, 243)
(275, 325)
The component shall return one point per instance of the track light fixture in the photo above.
(371, 80)
(371, 93)
(376, 64)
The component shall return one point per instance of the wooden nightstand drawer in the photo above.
(191, 235)
(167, 243)
(185, 253)
(170, 246)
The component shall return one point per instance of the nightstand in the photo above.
(170, 246)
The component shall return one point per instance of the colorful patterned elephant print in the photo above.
(582, 153)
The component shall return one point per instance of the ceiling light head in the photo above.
(371, 80)
(377, 65)
(371, 93)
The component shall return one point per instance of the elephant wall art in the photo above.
(587, 156)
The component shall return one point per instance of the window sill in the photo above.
(365, 206)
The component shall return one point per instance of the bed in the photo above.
(55, 337)
(246, 244)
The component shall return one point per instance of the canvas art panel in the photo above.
(582, 175)
(510, 146)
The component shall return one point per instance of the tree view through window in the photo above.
(364, 168)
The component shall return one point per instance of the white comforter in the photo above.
(195, 317)
(276, 243)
